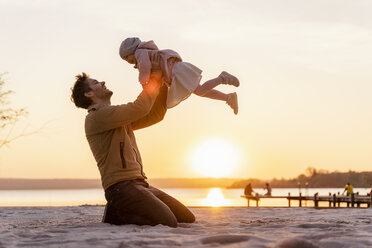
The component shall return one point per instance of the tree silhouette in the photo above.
(311, 172)
(9, 117)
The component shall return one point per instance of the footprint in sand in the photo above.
(224, 239)
(295, 243)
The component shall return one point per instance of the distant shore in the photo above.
(311, 179)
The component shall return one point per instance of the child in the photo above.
(182, 78)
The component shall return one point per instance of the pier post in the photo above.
(248, 201)
(316, 200)
(300, 200)
(352, 200)
(334, 200)
(289, 199)
(330, 199)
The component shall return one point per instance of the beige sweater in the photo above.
(109, 130)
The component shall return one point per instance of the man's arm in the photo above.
(110, 117)
(344, 191)
(156, 113)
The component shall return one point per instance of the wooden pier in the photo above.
(354, 200)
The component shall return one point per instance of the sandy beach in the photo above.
(215, 227)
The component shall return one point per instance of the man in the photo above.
(348, 189)
(268, 189)
(109, 131)
(248, 190)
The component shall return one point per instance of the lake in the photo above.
(189, 196)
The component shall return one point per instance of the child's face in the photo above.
(131, 59)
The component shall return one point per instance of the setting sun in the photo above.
(215, 158)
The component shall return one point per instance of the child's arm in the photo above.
(143, 65)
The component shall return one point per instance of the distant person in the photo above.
(268, 189)
(348, 189)
(109, 131)
(180, 77)
(248, 190)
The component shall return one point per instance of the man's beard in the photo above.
(109, 93)
(106, 95)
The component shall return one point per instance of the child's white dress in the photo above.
(185, 78)
(182, 78)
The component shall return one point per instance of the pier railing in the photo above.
(353, 200)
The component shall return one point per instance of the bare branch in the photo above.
(8, 140)
(9, 117)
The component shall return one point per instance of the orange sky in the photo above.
(304, 67)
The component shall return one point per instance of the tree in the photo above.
(311, 172)
(9, 117)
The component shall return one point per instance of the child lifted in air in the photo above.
(182, 78)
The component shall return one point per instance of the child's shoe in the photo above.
(227, 78)
(232, 101)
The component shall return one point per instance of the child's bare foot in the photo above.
(227, 78)
(232, 101)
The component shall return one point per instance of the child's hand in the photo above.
(156, 75)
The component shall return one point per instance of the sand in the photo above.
(215, 227)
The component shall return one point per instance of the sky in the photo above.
(304, 98)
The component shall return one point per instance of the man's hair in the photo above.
(79, 89)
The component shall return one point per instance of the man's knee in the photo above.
(187, 217)
(112, 216)
(170, 221)
(161, 214)
(190, 218)
(167, 219)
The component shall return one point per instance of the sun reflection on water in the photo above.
(215, 198)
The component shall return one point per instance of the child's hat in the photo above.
(129, 46)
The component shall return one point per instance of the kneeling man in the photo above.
(109, 130)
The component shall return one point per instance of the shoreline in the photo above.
(202, 207)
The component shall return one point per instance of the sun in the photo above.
(215, 158)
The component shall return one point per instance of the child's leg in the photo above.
(217, 95)
(231, 99)
(223, 78)
(201, 90)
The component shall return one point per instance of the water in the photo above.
(188, 196)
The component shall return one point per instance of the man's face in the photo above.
(99, 89)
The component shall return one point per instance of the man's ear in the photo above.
(89, 94)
